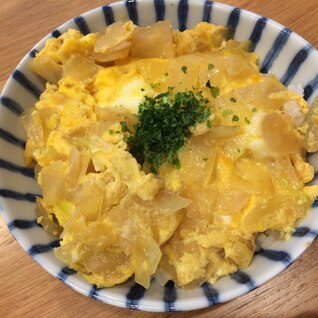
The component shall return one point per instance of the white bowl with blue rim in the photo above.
(282, 52)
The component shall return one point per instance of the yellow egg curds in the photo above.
(242, 173)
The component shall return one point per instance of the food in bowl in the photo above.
(165, 153)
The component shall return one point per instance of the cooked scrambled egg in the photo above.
(243, 176)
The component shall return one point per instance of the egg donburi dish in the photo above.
(165, 154)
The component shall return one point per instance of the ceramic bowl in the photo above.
(282, 52)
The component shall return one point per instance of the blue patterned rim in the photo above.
(281, 52)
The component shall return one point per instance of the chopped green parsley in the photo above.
(233, 100)
(215, 91)
(210, 67)
(227, 112)
(155, 85)
(164, 124)
(247, 120)
(184, 69)
(235, 118)
(124, 126)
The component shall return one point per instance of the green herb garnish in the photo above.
(155, 85)
(210, 67)
(153, 170)
(215, 91)
(164, 126)
(235, 118)
(233, 100)
(254, 109)
(124, 126)
(227, 112)
(111, 132)
(184, 69)
(247, 120)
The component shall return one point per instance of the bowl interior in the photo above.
(280, 51)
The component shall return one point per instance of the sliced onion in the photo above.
(310, 142)
(167, 202)
(80, 68)
(279, 134)
(46, 219)
(221, 132)
(115, 43)
(154, 41)
(47, 68)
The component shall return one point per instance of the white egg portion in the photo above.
(132, 94)
(256, 142)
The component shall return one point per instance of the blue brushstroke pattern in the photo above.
(233, 22)
(170, 296)
(207, 10)
(33, 53)
(304, 231)
(11, 105)
(131, 6)
(160, 10)
(183, 10)
(23, 224)
(43, 248)
(243, 278)
(26, 83)
(310, 87)
(64, 273)
(108, 14)
(5, 135)
(295, 64)
(82, 25)
(211, 294)
(315, 203)
(94, 292)
(10, 194)
(273, 53)
(28, 172)
(257, 32)
(277, 256)
(135, 293)
(56, 34)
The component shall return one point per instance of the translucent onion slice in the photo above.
(310, 142)
(167, 202)
(154, 41)
(115, 43)
(46, 219)
(147, 257)
(47, 68)
(80, 68)
(221, 132)
(279, 134)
